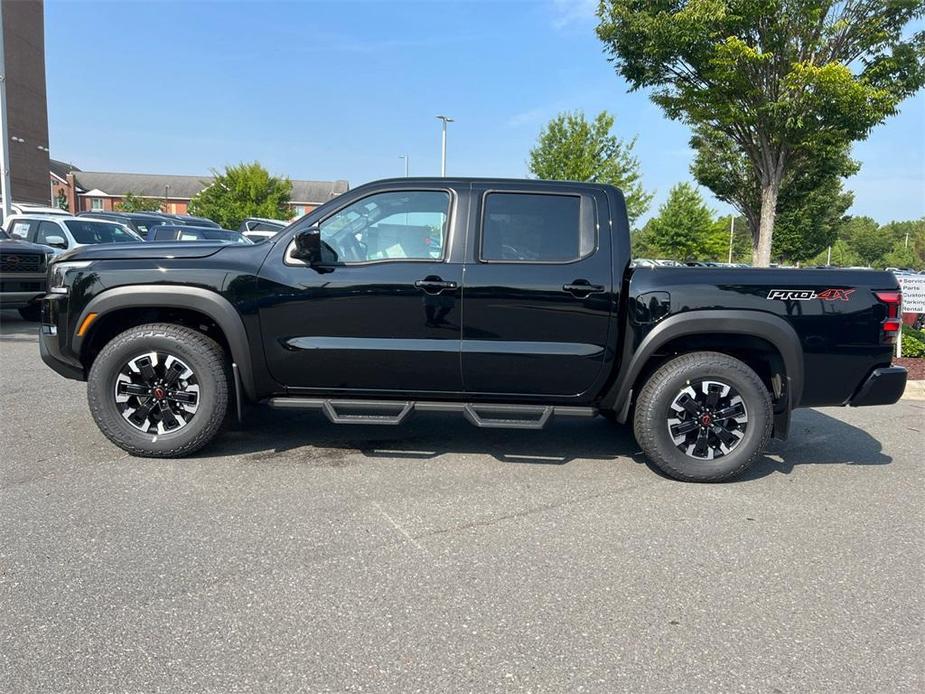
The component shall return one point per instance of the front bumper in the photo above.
(53, 339)
(19, 299)
(884, 386)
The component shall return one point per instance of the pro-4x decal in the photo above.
(809, 294)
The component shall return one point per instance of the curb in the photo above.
(915, 390)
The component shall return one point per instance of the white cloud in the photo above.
(566, 12)
(533, 116)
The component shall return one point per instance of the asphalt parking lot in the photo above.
(297, 555)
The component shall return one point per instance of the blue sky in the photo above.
(325, 90)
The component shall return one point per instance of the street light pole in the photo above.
(166, 188)
(445, 119)
(5, 188)
(732, 227)
(405, 157)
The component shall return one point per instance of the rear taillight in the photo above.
(892, 324)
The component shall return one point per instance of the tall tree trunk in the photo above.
(761, 244)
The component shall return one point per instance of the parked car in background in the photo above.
(22, 275)
(68, 232)
(24, 208)
(192, 220)
(260, 228)
(170, 232)
(643, 262)
(139, 222)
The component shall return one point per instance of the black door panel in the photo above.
(533, 326)
(362, 327)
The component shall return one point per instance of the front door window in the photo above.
(406, 225)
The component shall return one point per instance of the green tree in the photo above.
(684, 228)
(865, 239)
(135, 203)
(899, 256)
(570, 148)
(842, 255)
(782, 79)
(642, 242)
(812, 201)
(741, 241)
(241, 191)
(61, 200)
(911, 234)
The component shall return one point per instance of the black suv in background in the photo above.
(139, 222)
(171, 232)
(22, 275)
(191, 220)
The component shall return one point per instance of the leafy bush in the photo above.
(913, 342)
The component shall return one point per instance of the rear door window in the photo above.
(536, 228)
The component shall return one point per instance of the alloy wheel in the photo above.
(707, 419)
(157, 393)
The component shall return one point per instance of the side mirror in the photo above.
(310, 249)
(308, 246)
(56, 241)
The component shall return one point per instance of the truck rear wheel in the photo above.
(703, 417)
(159, 390)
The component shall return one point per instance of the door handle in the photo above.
(434, 285)
(581, 288)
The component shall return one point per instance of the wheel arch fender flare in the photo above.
(204, 301)
(775, 330)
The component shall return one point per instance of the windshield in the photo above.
(101, 232)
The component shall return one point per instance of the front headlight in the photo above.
(57, 274)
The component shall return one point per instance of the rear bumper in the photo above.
(884, 386)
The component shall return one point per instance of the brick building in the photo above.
(57, 175)
(100, 190)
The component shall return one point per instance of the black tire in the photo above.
(31, 313)
(203, 356)
(659, 404)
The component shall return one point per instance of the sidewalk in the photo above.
(915, 390)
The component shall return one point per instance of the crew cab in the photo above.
(511, 302)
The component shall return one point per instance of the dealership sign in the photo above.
(913, 288)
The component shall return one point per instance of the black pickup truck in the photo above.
(510, 302)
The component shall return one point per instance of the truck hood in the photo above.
(149, 251)
(18, 246)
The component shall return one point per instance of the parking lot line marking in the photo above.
(400, 529)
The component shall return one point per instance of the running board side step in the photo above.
(394, 412)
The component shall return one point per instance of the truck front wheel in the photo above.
(159, 390)
(703, 417)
